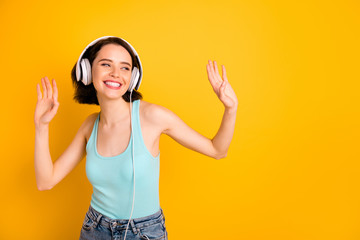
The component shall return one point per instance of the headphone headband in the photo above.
(83, 65)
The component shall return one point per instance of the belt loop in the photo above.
(97, 220)
(133, 226)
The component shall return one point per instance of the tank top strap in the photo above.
(92, 138)
(138, 137)
(96, 124)
(135, 120)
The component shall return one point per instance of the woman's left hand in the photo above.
(221, 86)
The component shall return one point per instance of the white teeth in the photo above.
(113, 84)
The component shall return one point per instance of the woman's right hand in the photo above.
(47, 103)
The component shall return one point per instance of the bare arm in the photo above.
(218, 146)
(223, 137)
(227, 96)
(49, 174)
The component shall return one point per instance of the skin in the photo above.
(114, 126)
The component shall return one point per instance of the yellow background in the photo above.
(292, 170)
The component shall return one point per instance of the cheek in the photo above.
(95, 75)
(94, 72)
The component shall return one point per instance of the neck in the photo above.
(114, 111)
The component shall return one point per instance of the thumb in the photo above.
(55, 108)
(222, 88)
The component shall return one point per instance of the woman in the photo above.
(121, 143)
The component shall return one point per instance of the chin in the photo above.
(111, 97)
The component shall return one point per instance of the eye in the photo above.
(105, 64)
(126, 68)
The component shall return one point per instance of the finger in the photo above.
(44, 87)
(48, 86)
(210, 75)
(216, 68)
(211, 68)
(224, 73)
(215, 78)
(216, 75)
(39, 95)
(55, 90)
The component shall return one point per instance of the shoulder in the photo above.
(88, 124)
(90, 120)
(153, 111)
(155, 114)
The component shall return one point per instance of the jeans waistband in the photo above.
(121, 224)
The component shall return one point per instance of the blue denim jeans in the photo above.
(99, 227)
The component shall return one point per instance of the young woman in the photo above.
(121, 142)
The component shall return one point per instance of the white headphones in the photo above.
(83, 67)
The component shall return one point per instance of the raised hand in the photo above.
(221, 86)
(47, 103)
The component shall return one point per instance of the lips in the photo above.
(112, 84)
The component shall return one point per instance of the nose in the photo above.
(115, 72)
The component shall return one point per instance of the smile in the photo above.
(112, 84)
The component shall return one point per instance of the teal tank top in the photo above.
(112, 177)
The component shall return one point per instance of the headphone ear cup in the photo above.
(134, 79)
(86, 71)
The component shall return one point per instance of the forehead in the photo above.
(114, 52)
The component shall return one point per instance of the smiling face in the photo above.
(111, 71)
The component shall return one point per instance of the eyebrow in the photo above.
(106, 59)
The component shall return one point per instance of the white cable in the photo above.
(132, 134)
